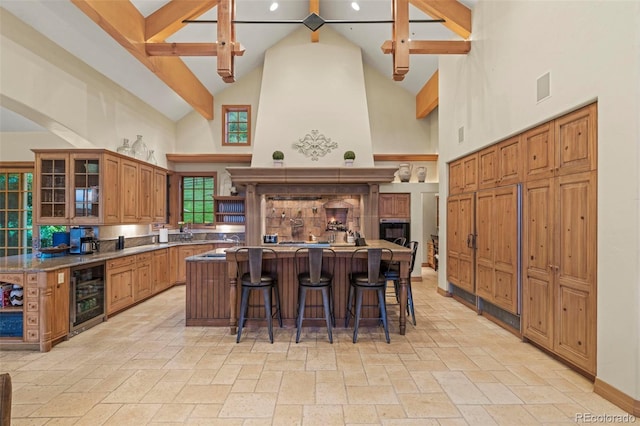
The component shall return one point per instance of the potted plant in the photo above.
(277, 156)
(349, 156)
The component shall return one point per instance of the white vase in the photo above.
(421, 173)
(404, 172)
(348, 163)
(278, 163)
(139, 149)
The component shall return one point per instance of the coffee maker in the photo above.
(82, 240)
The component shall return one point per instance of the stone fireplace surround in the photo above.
(327, 182)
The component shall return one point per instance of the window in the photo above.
(236, 127)
(16, 216)
(197, 193)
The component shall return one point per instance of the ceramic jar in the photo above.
(421, 173)
(404, 172)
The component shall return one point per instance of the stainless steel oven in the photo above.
(87, 304)
(391, 229)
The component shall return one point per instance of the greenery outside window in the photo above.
(236, 125)
(16, 215)
(197, 193)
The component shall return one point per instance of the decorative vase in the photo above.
(16, 296)
(421, 174)
(348, 163)
(125, 149)
(139, 149)
(151, 158)
(404, 172)
(278, 163)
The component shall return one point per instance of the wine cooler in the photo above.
(87, 303)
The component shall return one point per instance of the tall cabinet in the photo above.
(547, 278)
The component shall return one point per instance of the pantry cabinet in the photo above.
(559, 291)
(461, 241)
(500, 164)
(463, 175)
(394, 205)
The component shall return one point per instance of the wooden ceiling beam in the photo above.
(122, 21)
(457, 16)
(188, 49)
(168, 19)
(432, 47)
(314, 7)
(226, 39)
(428, 97)
(400, 39)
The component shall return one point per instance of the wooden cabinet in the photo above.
(58, 281)
(178, 256)
(563, 146)
(159, 211)
(460, 241)
(394, 205)
(121, 276)
(559, 289)
(463, 175)
(497, 247)
(160, 270)
(229, 209)
(500, 164)
(95, 187)
(143, 284)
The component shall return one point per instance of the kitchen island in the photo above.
(209, 302)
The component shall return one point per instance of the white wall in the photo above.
(43, 82)
(17, 146)
(591, 50)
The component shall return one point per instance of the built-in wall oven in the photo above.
(391, 229)
(87, 304)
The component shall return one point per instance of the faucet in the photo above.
(236, 239)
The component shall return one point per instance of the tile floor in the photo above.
(145, 367)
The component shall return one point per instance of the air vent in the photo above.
(461, 134)
(543, 87)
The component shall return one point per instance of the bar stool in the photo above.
(315, 279)
(257, 279)
(392, 273)
(359, 282)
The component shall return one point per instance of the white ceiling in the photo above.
(67, 26)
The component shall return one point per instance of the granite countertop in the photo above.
(30, 263)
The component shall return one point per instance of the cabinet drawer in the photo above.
(144, 257)
(13, 278)
(121, 262)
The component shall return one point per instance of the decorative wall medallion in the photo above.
(315, 145)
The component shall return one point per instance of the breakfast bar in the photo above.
(282, 264)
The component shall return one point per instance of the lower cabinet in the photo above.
(179, 254)
(58, 281)
(160, 271)
(121, 276)
(143, 284)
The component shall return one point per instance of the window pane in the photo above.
(208, 218)
(3, 181)
(233, 116)
(13, 220)
(13, 199)
(2, 201)
(14, 181)
(242, 116)
(198, 218)
(188, 217)
(29, 177)
(233, 137)
(12, 238)
(3, 238)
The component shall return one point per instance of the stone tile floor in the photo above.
(145, 367)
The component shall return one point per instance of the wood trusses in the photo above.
(145, 39)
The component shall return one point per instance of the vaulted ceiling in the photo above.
(144, 45)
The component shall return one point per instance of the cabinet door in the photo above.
(386, 205)
(576, 139)
(509, 162)
(460, 237)
(51, 195)
(485, 253)
(488, 167)
(60, 308)
(575, 268)
(129, 194)
(538, 273)
(121, 276)
(402, 205)
(539, 152)
(505, 258)
(142, 288)
(456, 179)
(470, 173)
(159, 196)
(110, 189)
(84, 179)
(160, 269)
(145, 193)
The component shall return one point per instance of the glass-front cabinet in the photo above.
(68, 188)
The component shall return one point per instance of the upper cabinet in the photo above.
(562, 146)
(500, 164)
(394, 205)
(463, 175)
(95, 187)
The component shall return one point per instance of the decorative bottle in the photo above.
(151, 158)
(139, 149)
(125, 148)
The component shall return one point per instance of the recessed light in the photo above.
(273, 6)
(355, 5)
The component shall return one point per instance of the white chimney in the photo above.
(313, 95)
